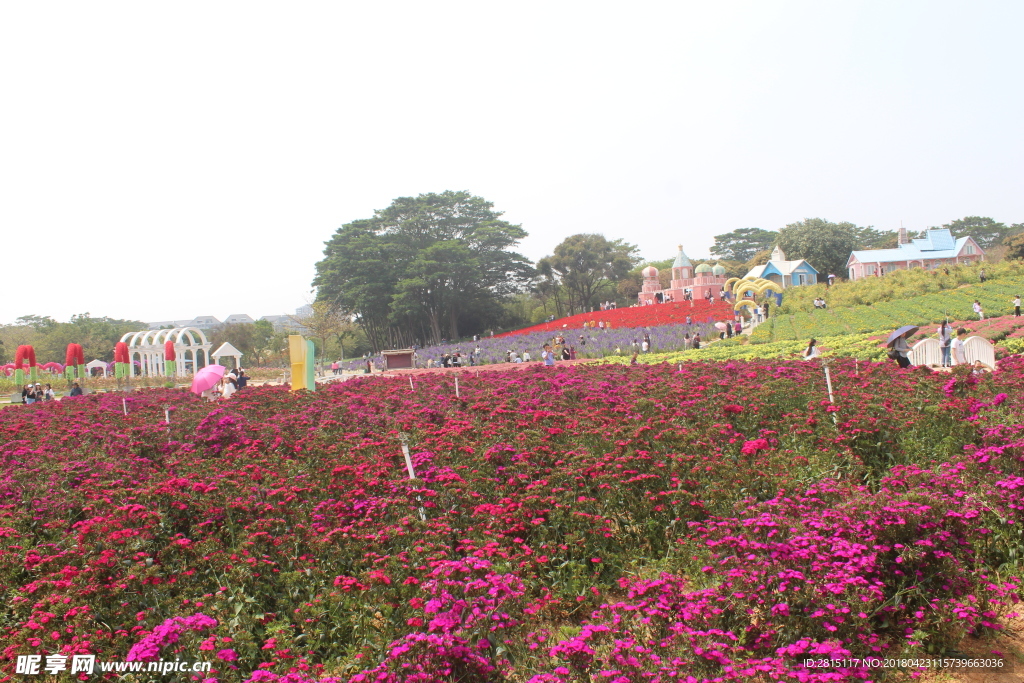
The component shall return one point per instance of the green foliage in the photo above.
(742, 244)
(588, 266)
(51, 338)
(1015, 245)
(423, 267)
(826, 246)
(985, 231)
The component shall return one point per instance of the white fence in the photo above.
(928, 352)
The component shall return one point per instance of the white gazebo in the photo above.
(93, 364)
(227, 350)
(147, 347)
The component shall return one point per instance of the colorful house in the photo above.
(785, 273)
(685, 278)
(937, 249)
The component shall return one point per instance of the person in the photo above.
(76, 390)
(517, 359)
(959, 358)
(757, 313)
(230, 387)
(728, 329)
(334, 368)
(28, 394)
(981, 275)
(48, 394)
(696, 341)
(1016, 306)
(645, 346)
(977, 309)
(565, 353)
(945, 343)
(526, 355)
(979, 368)
(766, 305)
(812, 350)
(547, 355)
(242, 380)
(902, 350)
(633, 360)
(572, 353)
(689, 320)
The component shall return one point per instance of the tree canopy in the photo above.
(424, 268)
(823, 244)
(589, 267)
(985, 231)
(742, 244)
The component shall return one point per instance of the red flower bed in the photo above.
(718, 521)
(639, 316)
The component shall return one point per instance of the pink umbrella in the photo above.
(207, 378)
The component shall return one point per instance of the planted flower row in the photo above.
(612, 523)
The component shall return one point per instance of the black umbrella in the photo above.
(906, 329)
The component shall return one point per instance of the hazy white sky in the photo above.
(161, 161)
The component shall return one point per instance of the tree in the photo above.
(264, 343)
(1014, 246)
(985, 231)
(826, 246)
(589, 266)
(870, 238)
(326, 321)
(423, 268)
(743, 243)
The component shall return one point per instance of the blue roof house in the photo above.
(937, 249)
(783, 272)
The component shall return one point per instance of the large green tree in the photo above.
(741, 244)
(1014, 246)
(424, 268)
(825, 245)
(985, 231)
(870, 238)
(589, 266)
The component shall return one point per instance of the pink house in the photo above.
(937, 249)
(685, 278)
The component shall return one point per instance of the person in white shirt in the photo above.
(229, 387)
(1016, 306)
(526, 356)
(812, 350)
(977, 309)
(548, 355)
(958, 347)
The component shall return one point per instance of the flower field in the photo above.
(672, 313)
(594, 523)
(956, 303)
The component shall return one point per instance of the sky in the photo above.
(162, 161)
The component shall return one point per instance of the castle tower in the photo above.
(682, 271)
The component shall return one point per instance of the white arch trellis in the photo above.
(147, 347)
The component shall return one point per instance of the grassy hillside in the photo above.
(902, 284)
(954, 304)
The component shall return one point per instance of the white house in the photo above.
(785, 273)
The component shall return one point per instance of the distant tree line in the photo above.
(444, 266)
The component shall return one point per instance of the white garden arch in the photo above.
(147, 347)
